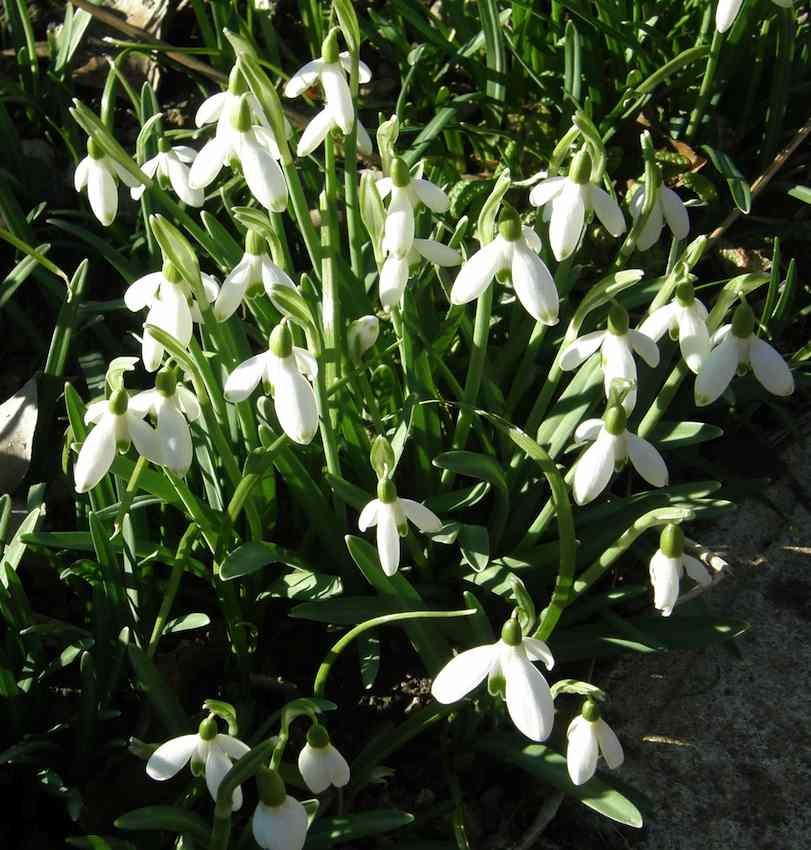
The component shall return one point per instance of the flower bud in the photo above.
(241, 115)
(236, 82)
(400, 175)
(166, 381)
(329, 47)
(671, 541)
(386, 491)
(615, 420)
(685, 294)
(743, 321)
(361, 336)
(590, 711)
(509, 226)
(118, 402)
(511, 633)
(94, 150)
(381, 456)
(618, 319)
(271, 787)
(580, 169)
(317, 736)
(164, 145)
(208, 728)
(281, 341)
(255, 243)
(695, 250)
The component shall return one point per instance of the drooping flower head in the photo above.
(171, 166)
(320, 763)
(685, 318)
(208, 751)
(612, 446)
(100, 175)
(617, 345)
(737, 347)
(667, 566)
(589, 736)
(279, 821)
(513, 252)
(667, 207)
(361, 335)
(570, 198)
(391, 515)
(507, 665)
(283, 368)
(219, 106)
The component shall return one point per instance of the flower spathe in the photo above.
(617, 345)
(172, 164)
(589, 736)
(611, 446)
(668, 565)
(570, 198)
(737, 346)
(320, 763)
(216, 752)
(391, 515)
(507, 664)
(685, 316)
(283, 366)
(99, 174)
(513, 251)
(727, 11)
(667, 207)
(116, 426)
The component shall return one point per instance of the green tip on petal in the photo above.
(386, 491)
(671, 541)
(317, 736)
(208, 728)
(618, 319)
(118, 402)
(171, 272)
(509, 225)
(590, 711)
(329, 47)
(255, 243)
(166, 381)
(685, 293)
(241, 116)
(615, 420)
(94, 150)
(281, 341)
(271, 787)
(400, 175)
(580, 169)
(743, 321)
(164, 145)
(236, 82)
(511, 633)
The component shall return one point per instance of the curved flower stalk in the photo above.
(667, 207)
(569, 198)
(283, 368)
(727, 11)
(330, 71)
(612, 445)
(737, 347)
(99, 174)
(171, 165)
(173, 407)
(507, 666)
(254, 148)
(617, 344)
(684, 317)
(668, 565)
(116, 426)
(250, 274)
(391, 515)
(279, 821)
(513, 252)
(589, 736)
(208, 750)
(320, 763)
(171, 308)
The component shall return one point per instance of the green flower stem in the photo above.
(178, 568)
(128, 495)
(663, 400)
(330, 250)
(354, 225)
(367, 394)
(301, 211)
(249, 481)
(524, 372)
(194, 509)
(320, 683)
(652, 180)
(705, 92)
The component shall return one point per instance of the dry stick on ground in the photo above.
(545, 816)
(760, 184)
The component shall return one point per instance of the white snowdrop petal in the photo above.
(717, 371)
(581, 751)
(149, 168)
(170, 758)
(231, 293)
(658, 323)
(664, 576)
(645, 347)
(546, 190)
(141, 292)
(588, 430)
(217, 765)
(534, 285)
(143, 436)
(424, 518)
(566, 224)
(272, 275)
(398, 229)
(364, 141)
(651, 230)
(696, 570)
(431, 195)
(188, 403)
(477, 273)
(176, 449)
(537, 650)
(102, 193)
(175, 315)
(95, 410)
(607, 210)
(610, 745)
(340, 768)
(338, 97)
(211, 109)
(245, 378)
(80, 175)
(265, 137)
(675, 213)
(694, 338)
(580, 350)
(96, 455)
(770, 368)
(594, 469)
(123, 174)
(179, 178)
(647, 461)
(315, 132)
(529, 700)
(532, 239)
(463, 673)
(314, 766)
(305, 362)
(305, 78)
(393, 279)
(294, 402)
(368, 516)
(388, 539)
(144, 402)
(263, 176)
(184, 153)
(208, 163)
(726, 13)
(437, 253)
(364, 73)
(384, 187)
(280, 827)
(619, 365)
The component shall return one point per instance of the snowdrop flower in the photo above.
(684, 317)
(512, 252)
(611, 447)
(316, 131)
(507, 666)
(617, 344)
(171, 165)
(330, 70)
(254, 148)
(728, 10)
(172, 308)
(361, 335)
(283, 368)
(391, 514)
(320, 764)
(668, 207)
(396, 269)
(116, 426)
(589, 735)
(737, 348)
(667, 566)
(279, 821)
(173, 407)
(250, 274)
(208, 750)
(220, 106)
(570, 197)
(99, 174)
